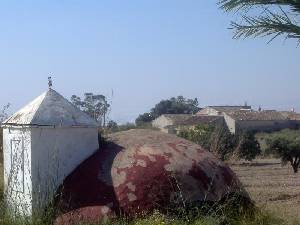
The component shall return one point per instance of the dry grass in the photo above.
(272, 186)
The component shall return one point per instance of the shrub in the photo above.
(286, 145)
(247, 146)
(222, 143)
(217, 139)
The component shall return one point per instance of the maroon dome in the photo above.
(141, 170)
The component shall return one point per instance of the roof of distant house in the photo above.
(266, 115)
(226, 108)
(194, 120)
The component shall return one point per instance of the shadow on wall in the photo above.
(91, 183)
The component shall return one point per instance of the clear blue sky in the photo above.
(145, 50)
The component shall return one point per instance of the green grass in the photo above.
(226, 213)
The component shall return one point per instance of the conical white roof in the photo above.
(51, 109)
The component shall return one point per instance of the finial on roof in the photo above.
(50, 82)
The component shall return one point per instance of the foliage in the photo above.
(144, 118)
(247, 146)
(221, 142)
(94, 105)
(272, 20)
(201, 134)
(178, 105)
(112, 125)
(4, 113)
(286, 145)
(217, 139)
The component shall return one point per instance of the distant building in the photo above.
(239, 118)
(268, 120)
(219, 110)
(172, 123)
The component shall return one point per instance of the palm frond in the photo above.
(270, 24)
(229, 5)
(267, 23)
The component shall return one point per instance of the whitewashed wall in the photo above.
(231, 123)
(56, 152)
(17, 170)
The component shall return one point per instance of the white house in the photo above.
(42, 144)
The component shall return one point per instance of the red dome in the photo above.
(142, 170)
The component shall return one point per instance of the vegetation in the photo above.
(222, 143)
(94, 105)
(179, 105)
(274, 18)
(286, 145)
(247, 146)
(224, 213)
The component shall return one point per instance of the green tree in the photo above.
(286, 145)
(216, 139)
(178, 105)
(265, 18)
(201, 135)
(94, 105)
(247, 146)
(4, 112)
(222, 142)
(144, 118)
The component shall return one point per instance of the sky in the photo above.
(138, 52)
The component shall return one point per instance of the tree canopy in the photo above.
(286, 145)
(178, 105)
(96, 106)
(265, 18)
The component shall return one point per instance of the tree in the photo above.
(94, 105)
(144, 118)
(247, 146)
(3, 116)
(4, 113)
(222, 142)
(178, 105)
(201, 135)
(286, 145)
(216, 139)
(277, 17)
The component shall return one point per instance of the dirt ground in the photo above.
(271, 186)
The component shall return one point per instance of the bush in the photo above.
(201, 135)
(286, 145)
(221, 142)
(247, 146)
(216, 139)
